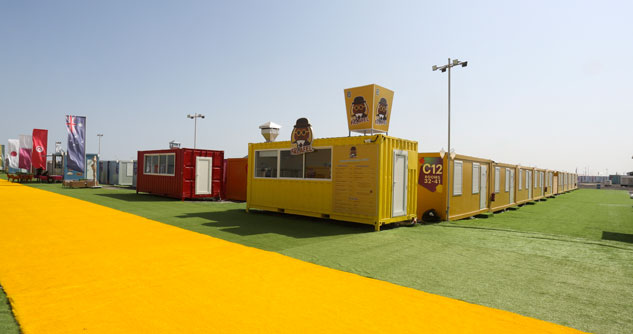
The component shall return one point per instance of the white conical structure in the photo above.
(270, 131)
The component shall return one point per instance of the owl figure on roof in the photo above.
(301, 138)
(359, 110)
(381, 111)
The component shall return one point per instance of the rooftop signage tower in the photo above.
(368, 109)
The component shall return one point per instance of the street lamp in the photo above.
(195, 126)
(445, 68)
(99, 135)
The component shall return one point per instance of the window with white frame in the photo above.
(536, 180)
(527, 179)
(282, 164)
(266, 164)
(457, 178)
(551, 179)
(520, 178)
(475, 178)
(162, 164)
(290, 166)
(497, 179)
(158, 164)
(318, 164)
(507, 179)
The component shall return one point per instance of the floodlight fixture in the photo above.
(195, 126)
(451, 153)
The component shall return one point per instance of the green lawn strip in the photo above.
(525, 263)
(8, 325)
(587, 213)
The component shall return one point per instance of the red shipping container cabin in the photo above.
(182, 173)
(236, 174)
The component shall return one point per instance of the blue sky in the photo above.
(548, 82)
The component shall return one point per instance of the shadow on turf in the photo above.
(260, 222)
(623, 237)
(134, 197)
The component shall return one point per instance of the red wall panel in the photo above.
(235, 180)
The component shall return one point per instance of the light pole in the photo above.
(99, 135)
(444, 68)
(195, 126)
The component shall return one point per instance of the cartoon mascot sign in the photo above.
(301, 138)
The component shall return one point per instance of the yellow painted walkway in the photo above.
(70, 266)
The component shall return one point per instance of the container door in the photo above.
(204, 167)
(512, 186)
(399, 189)
(542, 188)
(483, 183)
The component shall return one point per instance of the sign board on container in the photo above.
(368, 108)
(355, 175)
(431, 173)
(301, 137)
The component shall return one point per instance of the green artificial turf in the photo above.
(568, 260)
(588, 213)
(8, 325)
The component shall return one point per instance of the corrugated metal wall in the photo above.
(182, 184)
(235, 181)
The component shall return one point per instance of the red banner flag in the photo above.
(40, 141)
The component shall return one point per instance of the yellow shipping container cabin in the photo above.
(566, 182)
(503, 186)
(524, 185)
(469, 189)
(549, 183)
(562, 184)
(364, 179)
(538, 181)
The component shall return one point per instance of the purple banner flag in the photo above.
(26, 146)
(76, 127)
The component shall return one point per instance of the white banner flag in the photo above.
(13, 153)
